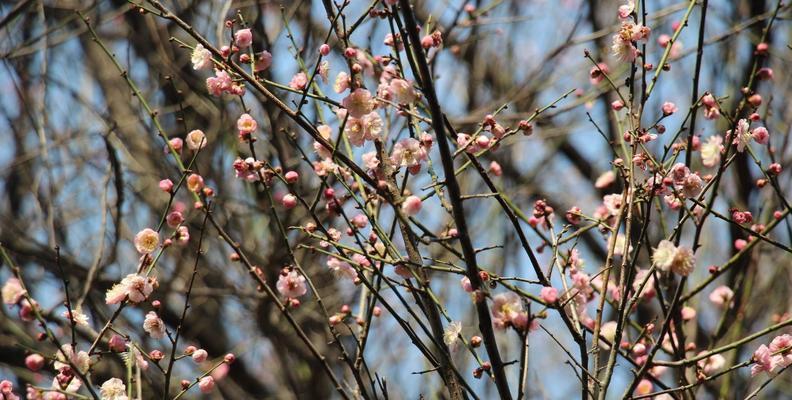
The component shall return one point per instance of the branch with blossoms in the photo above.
(396, 199)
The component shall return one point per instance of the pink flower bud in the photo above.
(243, 38)
(549, 294)
(289, 201)
(427, 41)
(117, 344)
(174, 219)
(411, 205)
(324, 49)
(34, 362)
(669, 108)
(761, 135)
(229, 358)
(166, 185)
(206, 384)
(617, 105)
(292, 176)
(200, 355)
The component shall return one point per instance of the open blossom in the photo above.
(113, 389)
(195, 183)
(243, 38)
(146, 241)
(402, 91)
(299, 81)
(451, 334)
(137, 287)
(507, 309)
(12, 291)
(409, 153)
(341, 82)
(358, 103)
(763, 361)
(219, 83)
(246, 124)
(368, 127)
(291, 284)
(668, 257)
(370, 160)
(154, 326)
(711, 151)
(742, 136)
(196, 140)
(201, 57)
(67, 355)
(79, 317)
(623, 47)
(781, 346)
(613, 203)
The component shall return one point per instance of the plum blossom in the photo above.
(201, 57)
(402, 91)
(146, 241)
(626, 9)
(411, 205)
(12, 291)
(781, 347)
(358, 103)
(623, 47)
(721, 296)
(341, 268)
(341, 82)
(291, 284)
(549, 294)
(206, 384)
(137, 287)
(67, 355)
(507, 309)
(263, 61)
(368, 127)
(711, 151)
(220, 83)
(7, 390)
(299, 81)
(154, 326)
(246, 124)
(196, 140)
(742, 136)
(370, 160)
(113, 389)
(243, 38)
(668, 257)
(761, 135)
(409, 153)
(712, 364)
(79, 317)
(763, 360)
(451, 334)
